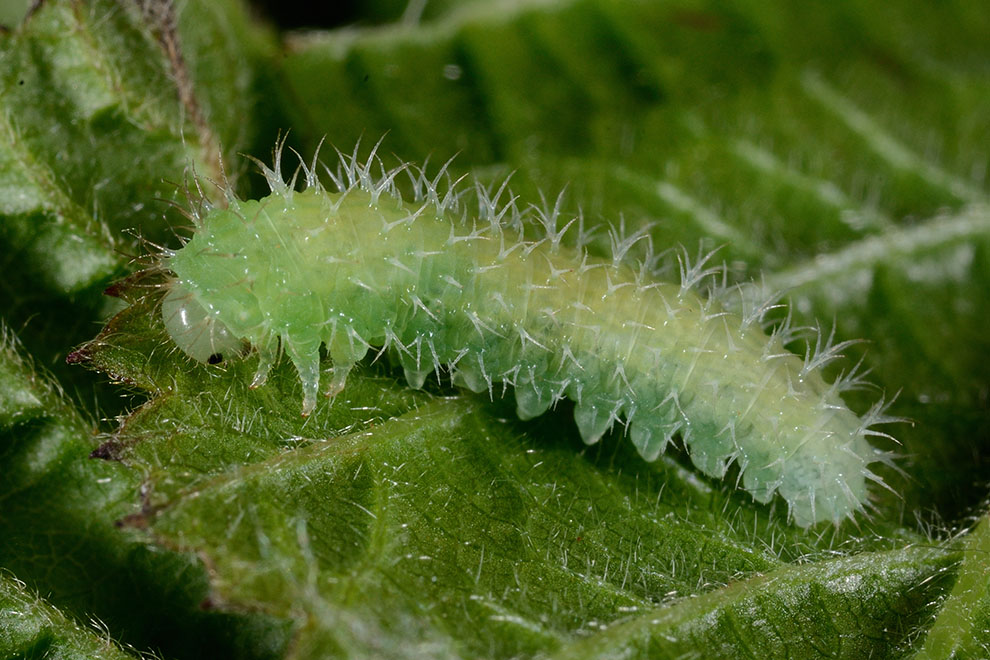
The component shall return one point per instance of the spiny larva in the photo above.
(442, 284)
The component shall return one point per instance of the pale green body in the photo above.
(309, 269)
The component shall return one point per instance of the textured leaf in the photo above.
(94, 135)
(794, 612)
(962, 626)
(391, 516)
(836, 151)
(58, 509)
(31, 628)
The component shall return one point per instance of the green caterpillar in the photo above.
(360, 268)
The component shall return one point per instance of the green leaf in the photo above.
(793, 612)
(962, 626)
(836, 151)
(59, 509)
(95, 141)
(391, 516)
(31, 628)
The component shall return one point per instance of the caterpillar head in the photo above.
(199, 334)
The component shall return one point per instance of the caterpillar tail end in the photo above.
(839, 493)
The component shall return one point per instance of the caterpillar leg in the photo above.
(338, 379)
(266, 358)
(306, 358)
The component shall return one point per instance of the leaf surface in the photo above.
(837, 153)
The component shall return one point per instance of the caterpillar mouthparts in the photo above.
(440, 284)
